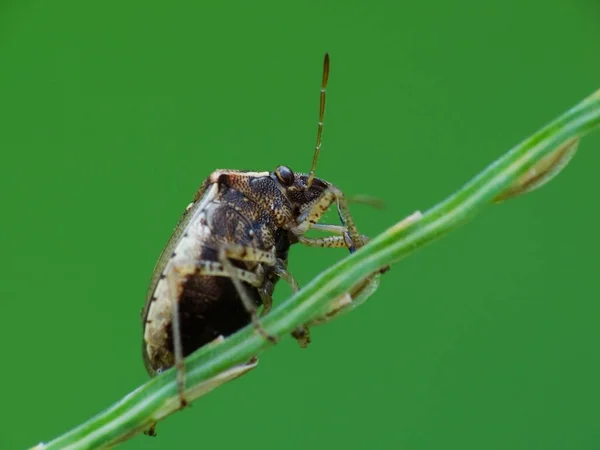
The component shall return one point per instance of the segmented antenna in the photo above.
(311, 174)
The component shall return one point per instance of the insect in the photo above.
(229, 250)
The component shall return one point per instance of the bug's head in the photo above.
(297, 188)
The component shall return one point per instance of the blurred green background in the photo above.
(111, 115)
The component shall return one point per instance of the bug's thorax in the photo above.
(284, 198)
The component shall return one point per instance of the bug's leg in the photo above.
(246, 253)
(225, 268)
(348, 235)
(364, 288)
(285, 275)
(173, 280)
(267, 301)
(279, 270)
(347, 220)
(335, 229)
(329, 241)
(301, 334)
(342, 238)
(310, 217)
(151, 431)
(340, 230)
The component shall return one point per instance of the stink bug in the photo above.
(229, 250)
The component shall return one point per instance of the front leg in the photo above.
(364, 288)
(342, 238)
(310, 217)
(348, 236)
(331, 241)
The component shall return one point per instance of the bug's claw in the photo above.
(384, 269)
(183, 402)
(272, 339)
(151, 431)
(302, 335)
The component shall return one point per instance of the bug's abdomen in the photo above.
(210, 307)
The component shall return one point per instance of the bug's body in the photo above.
(229, 250)
(251, 209)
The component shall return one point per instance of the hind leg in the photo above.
(178, 272)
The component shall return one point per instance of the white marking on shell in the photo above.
(214, 177)
(187, 251)
(256, 174)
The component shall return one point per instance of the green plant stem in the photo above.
(158, 397)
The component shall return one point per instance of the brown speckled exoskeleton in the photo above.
(229, 250)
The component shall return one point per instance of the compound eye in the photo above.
(285, 175)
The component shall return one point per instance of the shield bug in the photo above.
(229, 250)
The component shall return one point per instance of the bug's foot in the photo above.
(384, 269)
(272, 339)
(302, 335)
(269, 337)
(181, 384)
(151, 431)
(183, 402)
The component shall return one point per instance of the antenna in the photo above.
(311, 174)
